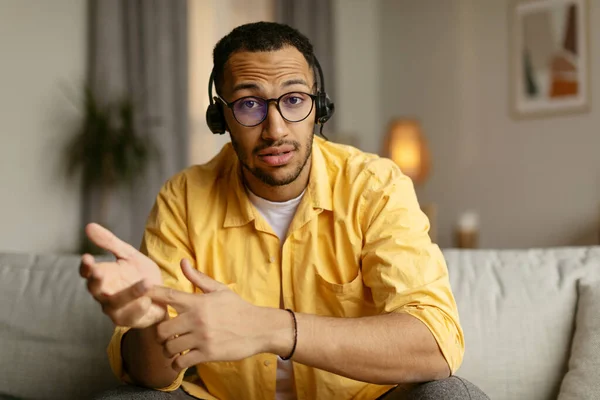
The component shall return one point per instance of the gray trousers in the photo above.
(453, 388)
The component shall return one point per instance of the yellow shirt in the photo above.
(358, 245)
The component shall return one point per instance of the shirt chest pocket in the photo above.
(348, 299)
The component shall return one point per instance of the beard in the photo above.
(263, 175)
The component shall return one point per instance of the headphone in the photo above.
(215, 118)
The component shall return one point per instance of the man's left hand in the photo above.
(215, 326)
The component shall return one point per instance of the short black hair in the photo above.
(258, 37)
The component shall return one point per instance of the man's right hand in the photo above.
(120, 286)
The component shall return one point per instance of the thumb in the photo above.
(200, 280)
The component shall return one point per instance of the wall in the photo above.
(43, 57)
(357, 59)
(533, 182)
(209, 21)
(356, 80)
(444, 62)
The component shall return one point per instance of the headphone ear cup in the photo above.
(215, 119)
(325, 108)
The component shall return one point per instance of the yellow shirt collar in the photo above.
(239, 208)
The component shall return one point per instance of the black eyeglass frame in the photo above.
(268, 102)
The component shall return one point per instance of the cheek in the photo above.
(245, 139)
(229, 120)
(307, 129)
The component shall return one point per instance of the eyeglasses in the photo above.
(252, 110)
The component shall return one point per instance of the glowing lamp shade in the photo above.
(407, 147)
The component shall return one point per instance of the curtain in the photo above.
(314, 19)
(138, 49)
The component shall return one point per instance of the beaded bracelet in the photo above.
(295, 335)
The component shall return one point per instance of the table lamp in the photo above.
(406, 145)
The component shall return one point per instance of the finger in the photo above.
(189, 359)
(98, 276)
(122, 298)
(171, 328)
(99, 280)
(87, 262)
(95, 282)
(180, 301)
(177, 345)
(107, 240)
(200, 280)
(130, 314)
(93, 271)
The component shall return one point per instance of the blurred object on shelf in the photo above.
(466, 235)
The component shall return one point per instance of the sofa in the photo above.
(531, 320)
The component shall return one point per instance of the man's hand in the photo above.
(120, 286)
(217, 325)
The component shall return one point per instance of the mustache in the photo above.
(278, 143)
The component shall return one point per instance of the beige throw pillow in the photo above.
(582, 380)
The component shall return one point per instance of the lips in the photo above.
(277, 156)
(272, 151)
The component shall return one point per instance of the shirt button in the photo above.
(267, 363)
(271, 259)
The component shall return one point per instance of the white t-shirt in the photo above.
(279, 216)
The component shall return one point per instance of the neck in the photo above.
(278, 193)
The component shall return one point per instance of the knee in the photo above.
(113, 394)
(452, 388)
(128, 393)
(138, 393)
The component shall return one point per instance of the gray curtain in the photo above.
(314, 19)
(138, 48)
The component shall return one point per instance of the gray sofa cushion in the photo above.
(582, 382)
(517, 309)
(53, 335)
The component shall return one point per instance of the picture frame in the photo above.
(549, 57)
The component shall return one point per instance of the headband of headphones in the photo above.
(215, 118)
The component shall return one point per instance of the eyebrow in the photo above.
(255, 86)
(245, 85)
(295, 82)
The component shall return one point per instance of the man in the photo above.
(287, 267)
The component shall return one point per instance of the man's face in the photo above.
(275, 151)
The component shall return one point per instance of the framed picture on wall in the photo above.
(550, 67)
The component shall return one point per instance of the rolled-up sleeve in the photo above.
(405, 271)
(166, 242)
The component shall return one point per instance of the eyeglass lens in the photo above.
(294, 107)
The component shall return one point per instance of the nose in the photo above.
(274, 126)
